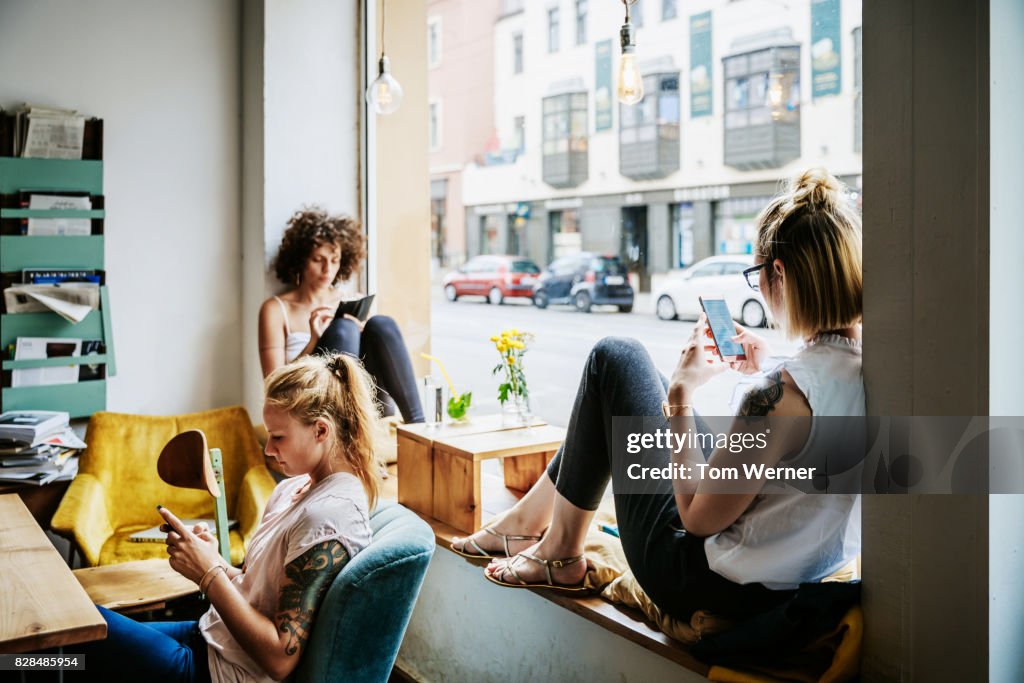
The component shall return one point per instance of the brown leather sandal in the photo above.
(484, 554)
(547, 564)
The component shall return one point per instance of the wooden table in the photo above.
(133, 586)
(439, 468)
(41, 603)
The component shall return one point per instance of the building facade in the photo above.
(460, 87)
(739, 96)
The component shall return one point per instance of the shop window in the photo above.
(762, 108)
(649, 131)
(565, 139)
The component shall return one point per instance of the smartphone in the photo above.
(722, 327)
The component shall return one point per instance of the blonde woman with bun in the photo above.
(690, 545)
(321, 417)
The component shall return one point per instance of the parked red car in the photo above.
(494, 277)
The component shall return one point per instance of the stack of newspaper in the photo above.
(48, 133)
(37, 447)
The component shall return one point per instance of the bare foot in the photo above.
(532, 572)
(494, 542)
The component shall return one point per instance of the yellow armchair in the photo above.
(117, 489)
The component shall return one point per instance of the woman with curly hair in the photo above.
(317, 252)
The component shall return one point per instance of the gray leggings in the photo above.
(620, 380)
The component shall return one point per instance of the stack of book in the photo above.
(37, 447)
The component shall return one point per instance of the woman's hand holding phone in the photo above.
(755, 347)
(191, 554)
(696, 366)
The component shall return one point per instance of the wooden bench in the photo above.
(627, 623)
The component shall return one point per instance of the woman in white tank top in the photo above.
(691, 543)
(319, 253)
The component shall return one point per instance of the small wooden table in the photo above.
(41, 603)
(439, 467)
(134, 586)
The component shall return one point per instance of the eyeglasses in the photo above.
(753, 276)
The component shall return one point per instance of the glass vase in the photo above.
(515, 412)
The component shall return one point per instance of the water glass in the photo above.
(433, 401)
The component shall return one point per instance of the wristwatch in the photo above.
(673, 411)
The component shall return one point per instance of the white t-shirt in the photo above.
(335, 508)
(785, 539)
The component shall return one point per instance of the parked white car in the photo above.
(679, 296)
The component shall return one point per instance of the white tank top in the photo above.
(294, 342)
(785, 539)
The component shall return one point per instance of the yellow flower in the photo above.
(514, 332)
(511, 360)
(502, 347)
(518, 345)
(494, 338)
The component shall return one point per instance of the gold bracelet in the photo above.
(674, 411)
(213, 576)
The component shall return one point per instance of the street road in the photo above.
(460, 335)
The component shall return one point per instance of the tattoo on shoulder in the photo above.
(762, 400)
(307, 578)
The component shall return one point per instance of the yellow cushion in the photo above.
(118, 489)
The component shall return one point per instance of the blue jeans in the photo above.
(151, 652)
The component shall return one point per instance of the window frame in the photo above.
(554, 29)
(434, 60)
(435, 126)
(581, 21)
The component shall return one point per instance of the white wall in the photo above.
(302, 96)
(165, 79)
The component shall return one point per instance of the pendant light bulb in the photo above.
(385, 93)
(630, 88)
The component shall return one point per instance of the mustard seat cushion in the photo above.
(117, 489)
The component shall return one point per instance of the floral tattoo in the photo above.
(762, 400)
(307, 578)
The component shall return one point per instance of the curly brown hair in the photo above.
(310, 228)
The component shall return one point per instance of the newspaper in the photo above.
(59, 226)
(71, 300)
(36, 348)
(54, 134)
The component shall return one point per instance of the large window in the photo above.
(762, 107)
(565, 139)
(649, 131)
(858, 105)
(553, 29)
(581, 22)
(517, 53)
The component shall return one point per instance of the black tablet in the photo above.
(359, 308)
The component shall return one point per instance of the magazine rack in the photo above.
(17, 251)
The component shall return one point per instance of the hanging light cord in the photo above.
(383, 22)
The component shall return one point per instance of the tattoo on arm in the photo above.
(307, 578)
(762, 400)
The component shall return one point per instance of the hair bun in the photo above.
(816, 187)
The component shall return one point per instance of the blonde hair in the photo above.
(814, 230)
(337, 390)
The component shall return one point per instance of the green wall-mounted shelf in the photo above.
(17, 252)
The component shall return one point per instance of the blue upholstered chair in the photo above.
(362, 620)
